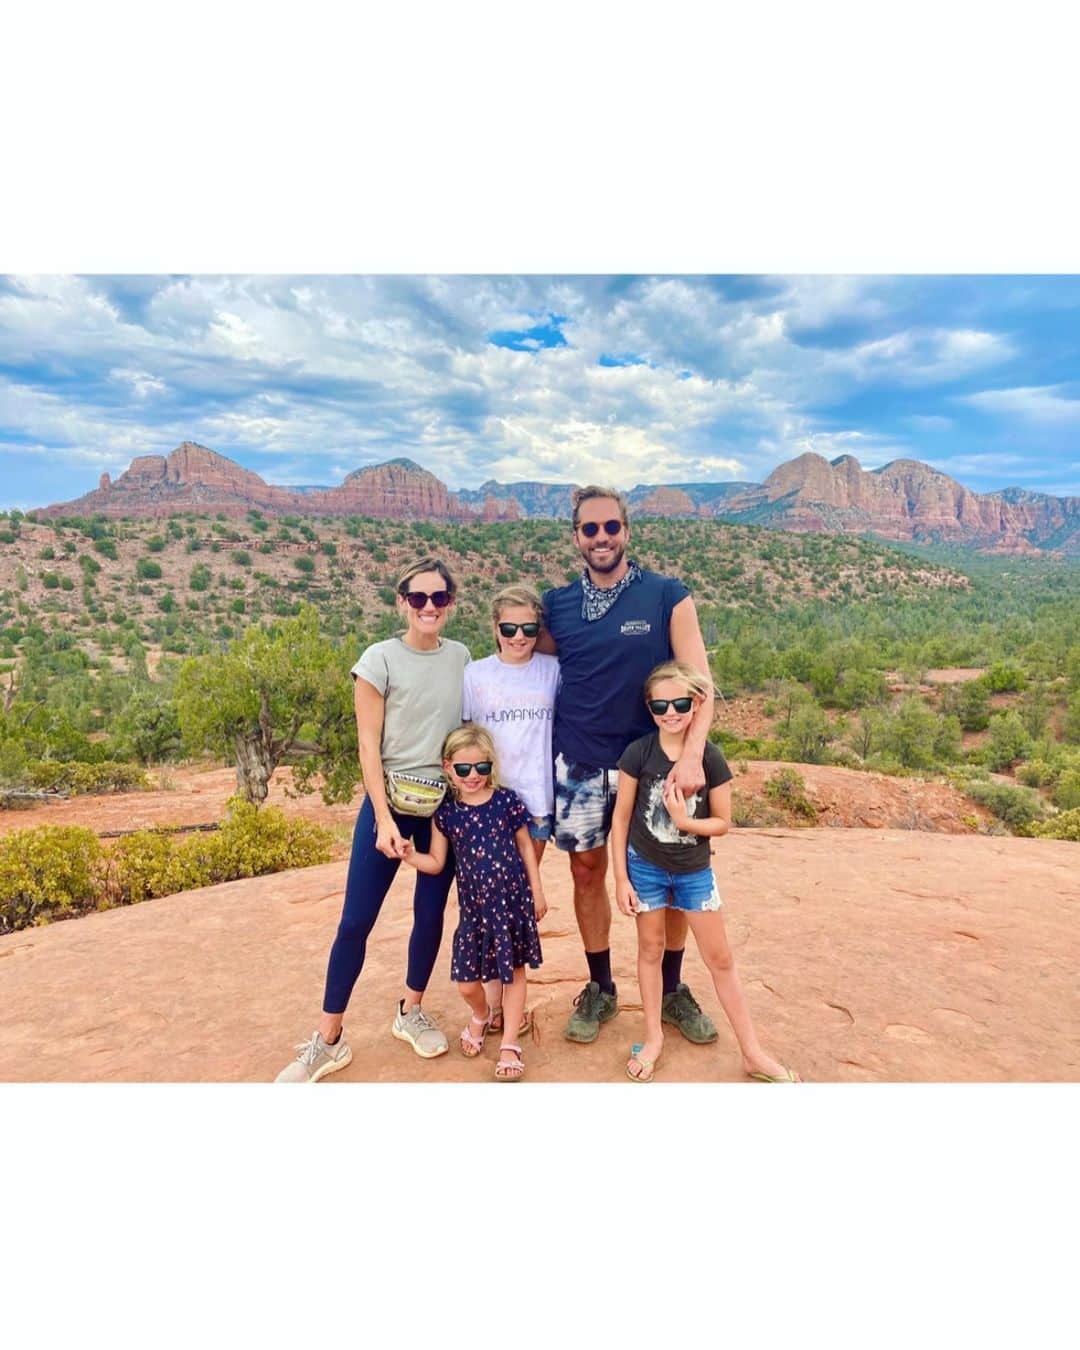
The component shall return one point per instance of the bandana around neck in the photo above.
(597, 600)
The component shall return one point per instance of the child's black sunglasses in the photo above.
(590, 529)
(418, 599)
(659, 706)
(483, 768)
(527, 629)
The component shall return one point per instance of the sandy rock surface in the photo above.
(868, 955)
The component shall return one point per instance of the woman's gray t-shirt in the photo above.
(422, 690)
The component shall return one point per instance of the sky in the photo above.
(620, 379)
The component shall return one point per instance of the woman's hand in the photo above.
(389, 840)
(626, 898)
(675, 803)
(539, 902)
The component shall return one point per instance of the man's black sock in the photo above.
(672, 969)
(600, 970)
(335, 1040)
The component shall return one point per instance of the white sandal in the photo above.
(472, 1045)
(511, 1073)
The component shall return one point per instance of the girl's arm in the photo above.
(625, 896)
(716, 823)
(434, 860)
(370, 707)
(532, 870)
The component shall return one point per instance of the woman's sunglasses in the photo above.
(659, 706)
(483, 768)
(590, 529)
(527, 629)
(418, 599)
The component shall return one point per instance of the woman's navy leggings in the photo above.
(370, 875)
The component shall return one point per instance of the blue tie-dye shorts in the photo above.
(584, 801)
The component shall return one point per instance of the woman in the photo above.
(408, 699)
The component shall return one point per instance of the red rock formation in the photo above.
(193, 478)
(906, 500)
(665, 501)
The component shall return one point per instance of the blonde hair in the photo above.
(698, 685)
(586, 494)
(426, 565)
(470, 734)
(510, 596)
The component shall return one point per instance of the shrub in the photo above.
(147, 569)
(1064, 826)
(49, 872)
(788, 789)
(304, 564)
(50, 581)
(1037, 773)
(155, 543)
(77, 777)
(1009, 740)
(250, 843)
(1067, 792)
(241, 557)
(1017, 807)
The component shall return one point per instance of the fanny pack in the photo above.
(412, 794)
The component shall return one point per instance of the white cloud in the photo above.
(1033, 403)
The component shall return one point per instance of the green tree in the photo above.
(251, 702)
(148, 727)
(1009, 740)
(911, 732)
(808, 734)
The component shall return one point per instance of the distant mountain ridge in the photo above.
(903, 500)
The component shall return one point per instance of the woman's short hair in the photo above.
(697, 684)
(585, 494)
(512, 596)
(470, 734)
(426, 565)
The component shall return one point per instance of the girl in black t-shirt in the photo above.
(660, 851)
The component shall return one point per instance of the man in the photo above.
(609, 629)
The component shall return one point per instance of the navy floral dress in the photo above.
(497, 929)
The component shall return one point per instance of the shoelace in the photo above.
(423, 1022)
(584, 1002)
(309, 1051)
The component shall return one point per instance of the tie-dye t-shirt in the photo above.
(652, 833)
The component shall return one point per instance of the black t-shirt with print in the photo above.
(652, 833)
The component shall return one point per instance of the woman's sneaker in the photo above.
(416, 1027)
(315, 1060)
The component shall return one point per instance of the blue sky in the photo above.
(625, 379)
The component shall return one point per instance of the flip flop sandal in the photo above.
(472, 1045)
(514, 1072)
(788, 1076)
(497, 1021)
(647, 1066)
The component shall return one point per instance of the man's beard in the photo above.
(603, 568)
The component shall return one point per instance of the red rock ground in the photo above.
(868, 955)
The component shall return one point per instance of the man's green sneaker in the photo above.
(591, 1007)
(682, 1010)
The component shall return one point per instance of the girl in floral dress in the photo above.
(500, 897)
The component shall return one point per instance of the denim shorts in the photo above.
(541, 827)
(584, 801)
(694, 892)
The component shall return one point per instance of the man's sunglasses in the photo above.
(418, 599)
(590, 529)
(659, 706)
(483, 768)
(527, 629)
